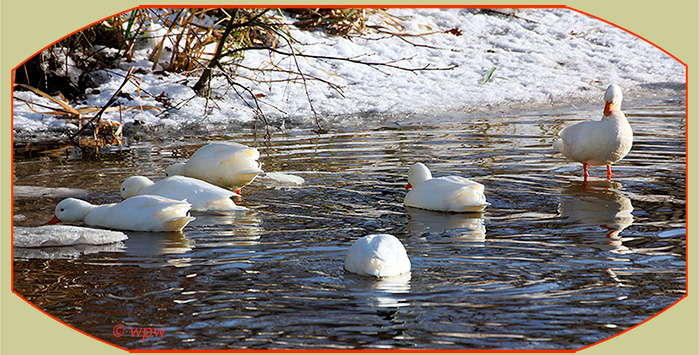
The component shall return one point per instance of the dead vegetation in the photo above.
(198, 43)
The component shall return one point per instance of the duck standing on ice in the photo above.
(602, 142)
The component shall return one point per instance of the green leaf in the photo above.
(487, 76)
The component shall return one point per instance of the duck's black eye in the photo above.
(63, 209)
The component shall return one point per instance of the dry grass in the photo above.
(201, 42)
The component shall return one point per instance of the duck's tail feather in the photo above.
(177, 224)
(558, 144)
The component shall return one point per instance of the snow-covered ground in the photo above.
(542, 58)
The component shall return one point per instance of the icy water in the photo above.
(552, 263)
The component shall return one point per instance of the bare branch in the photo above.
(98, 116)
(258, 110)
(382, 64)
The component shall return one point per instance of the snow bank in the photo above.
(542, 58)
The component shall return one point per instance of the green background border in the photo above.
(26, 27)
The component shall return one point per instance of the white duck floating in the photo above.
(379, 255)
(447, 194)
(145, 213)
(602, 142)
(202, 195)
(225, 164)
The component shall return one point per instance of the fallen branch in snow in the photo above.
(305, 86)
(501, 13)
(402, 38)
(378, 64)
(337, 88)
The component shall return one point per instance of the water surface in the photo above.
(552, 263)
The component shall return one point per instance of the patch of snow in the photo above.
(543, 58)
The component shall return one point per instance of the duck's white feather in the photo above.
(202, 195)
(379, 255)
(448, 194)
(228, 165)
(602, 142)
(146, 213)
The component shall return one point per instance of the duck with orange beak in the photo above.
(146, 213)
(446, 194)
(599, 143)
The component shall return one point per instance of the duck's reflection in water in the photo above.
(598, 203)
(209, 229)
(233, 234)
(458, 226)
(382, 292)
(227, 228)
(157, 243)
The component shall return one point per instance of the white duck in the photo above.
(145, 213)
(602, 142)
(225, 164)
(377, 255)
(447, 194)
(202, 195)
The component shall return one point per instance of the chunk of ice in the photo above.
(281, 179)
(61, 235)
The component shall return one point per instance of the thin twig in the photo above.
(383, 64)
(104, 108)
(305, 85)
(422, 45)
(493, 11)
(258, 110)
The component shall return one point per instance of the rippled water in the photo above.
(552, 263)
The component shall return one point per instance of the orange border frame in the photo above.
(377, 350)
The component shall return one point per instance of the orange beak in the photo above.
(408, 186)
(53, 220)
(608, 106)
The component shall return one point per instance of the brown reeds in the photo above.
(201, 42)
